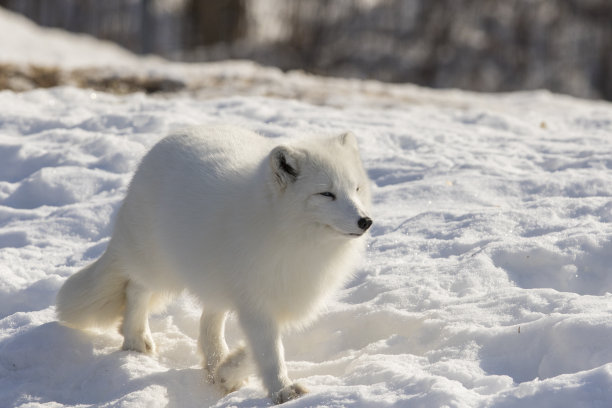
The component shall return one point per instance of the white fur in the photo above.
(241, 224)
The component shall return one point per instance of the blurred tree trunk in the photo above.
(147, 43)
(212, 22)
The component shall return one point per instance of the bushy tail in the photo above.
(94, 296)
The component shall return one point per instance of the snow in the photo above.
(31, 44)
(487, 280)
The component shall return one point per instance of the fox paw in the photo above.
(288, 393)
(232, 373)
(229, 385)
(143, 343)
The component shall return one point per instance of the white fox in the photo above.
(245, 225)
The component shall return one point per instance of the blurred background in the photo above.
(483, 45)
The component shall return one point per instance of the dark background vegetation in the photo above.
(482, 45)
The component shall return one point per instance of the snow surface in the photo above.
(486, 221)
(487, 280)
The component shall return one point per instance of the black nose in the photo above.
(364, 223)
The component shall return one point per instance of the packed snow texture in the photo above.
(487, 279)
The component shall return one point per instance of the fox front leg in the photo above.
(266, 345)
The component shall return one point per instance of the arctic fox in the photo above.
(264, 230)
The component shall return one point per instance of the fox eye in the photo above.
(328, 194)
(357, 189)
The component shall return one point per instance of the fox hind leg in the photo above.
(135, 326)
(212, 340)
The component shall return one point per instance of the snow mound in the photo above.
(30, 44)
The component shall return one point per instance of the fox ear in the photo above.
(348, 139)
(284, 165)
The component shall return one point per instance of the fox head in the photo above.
(324, 179)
